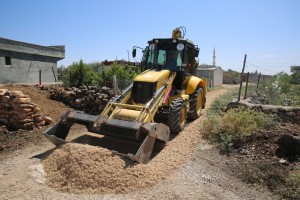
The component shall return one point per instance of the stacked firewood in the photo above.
(17, 111)
(89, 99)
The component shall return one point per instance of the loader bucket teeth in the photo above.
(144, 153)
(155, 131)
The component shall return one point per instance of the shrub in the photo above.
(280, 90)
(235, 126)
(220, 103)
(291, 190)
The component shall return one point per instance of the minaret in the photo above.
(214, 57)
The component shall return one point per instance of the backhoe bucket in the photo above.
(130, 130)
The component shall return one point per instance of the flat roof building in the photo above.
(212, 73)
(22, 62)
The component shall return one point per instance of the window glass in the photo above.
(7, 60)
(150, 60)
(173, 60)
(161, 57)
(168, 56)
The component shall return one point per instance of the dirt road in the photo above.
(188, 168)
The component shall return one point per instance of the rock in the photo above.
(41, 123)
(24, 100)
(25, 110)
(3, 92)
(27, 126)
(23, 121)
(289, 144)
(19, 94)
(37, 109)
(78, 101)
(283, 161)
(48, 120)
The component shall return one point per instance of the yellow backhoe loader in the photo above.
(166, 90)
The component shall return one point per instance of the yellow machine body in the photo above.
(159, 89)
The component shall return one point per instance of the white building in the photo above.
(212, 73)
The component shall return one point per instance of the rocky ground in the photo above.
(188, 168)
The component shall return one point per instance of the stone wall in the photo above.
(89, 99)
(283, 113)
(18, 112)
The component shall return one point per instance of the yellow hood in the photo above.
(154, 76)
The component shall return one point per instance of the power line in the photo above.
(269, 63)
(259, 67)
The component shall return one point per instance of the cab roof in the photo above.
(186, 41)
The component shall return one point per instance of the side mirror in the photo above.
(133, 53)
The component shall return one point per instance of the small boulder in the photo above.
(48, 120)
(3, 92)
(289, 144)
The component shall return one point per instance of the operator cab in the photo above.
(164, 54)
(171, 54)
(177, 55)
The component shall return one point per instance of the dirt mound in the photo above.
(263, 145)
(259, 161)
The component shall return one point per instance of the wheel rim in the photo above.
(199, 104)
(183, 116)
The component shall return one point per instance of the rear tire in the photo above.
(196, 104)
(177, 115)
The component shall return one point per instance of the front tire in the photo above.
(177, 115)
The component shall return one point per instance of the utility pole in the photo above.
(246, 86)
(241, 81)
(258, 80)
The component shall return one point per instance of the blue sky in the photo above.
(268, 31)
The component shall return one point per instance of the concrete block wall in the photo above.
(25, 68)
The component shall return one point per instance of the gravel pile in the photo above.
(80, 168)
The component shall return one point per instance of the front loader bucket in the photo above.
(57, 134)
(130, 130)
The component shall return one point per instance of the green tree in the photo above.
(61, 71)
(295, 78)
(125, 75)
(79, 74)
(283, 80)
(95, 66)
